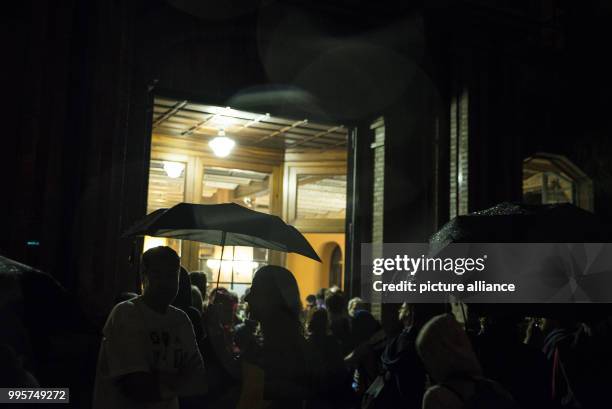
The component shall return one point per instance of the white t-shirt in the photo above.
(138, 339)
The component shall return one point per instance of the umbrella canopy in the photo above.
(35, 307)
(223, 224)
(569, 276)
(11, 266)
(523, 223)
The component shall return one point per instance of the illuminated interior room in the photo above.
(292, 168)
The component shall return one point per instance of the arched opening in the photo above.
(549, 179)
(335, 267)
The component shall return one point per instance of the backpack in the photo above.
(488, 394)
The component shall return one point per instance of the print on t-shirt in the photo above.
(160, 345)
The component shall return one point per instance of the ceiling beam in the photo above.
(311, 179)
(315, 136)
(252, 122)
(283, 130)
(196, 126)
(177, 107)
(253, 189)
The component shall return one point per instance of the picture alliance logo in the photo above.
(412, 265)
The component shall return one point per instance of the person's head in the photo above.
(318, 322)
(336, 303)
(356, 304)
(161, 266)
(320, 297)
(224, 303)
(199, 279)
(334, 289)
(418, 314)
(445, 350)
(311, 302)
(274, 290)
(196, 298)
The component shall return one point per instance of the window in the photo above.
(166, 189)
(321, 196)
(235, 268)
(316, 198)
(547, 188)
(246, 188)
(549, 178)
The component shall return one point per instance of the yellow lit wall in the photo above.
(311, 275)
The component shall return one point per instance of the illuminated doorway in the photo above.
(291, 168)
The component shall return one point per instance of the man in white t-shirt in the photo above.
(149, 356)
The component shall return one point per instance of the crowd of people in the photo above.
(187, 343)
(184, 344)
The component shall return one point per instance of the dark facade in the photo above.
(82, 76)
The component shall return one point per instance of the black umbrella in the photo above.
(568, 273)
(37, 307)
(11, 266)
(523, 223)
(225, 224)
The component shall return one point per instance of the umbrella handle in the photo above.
(221, 258)
(232, 280)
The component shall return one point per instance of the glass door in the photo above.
(235, 267)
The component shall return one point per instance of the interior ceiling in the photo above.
(318, 196)
(186, 119)
(321, 196)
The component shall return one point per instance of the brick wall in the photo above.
(459, 152)
(378, 193)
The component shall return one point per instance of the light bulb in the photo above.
(174, 169)
(222, 145)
